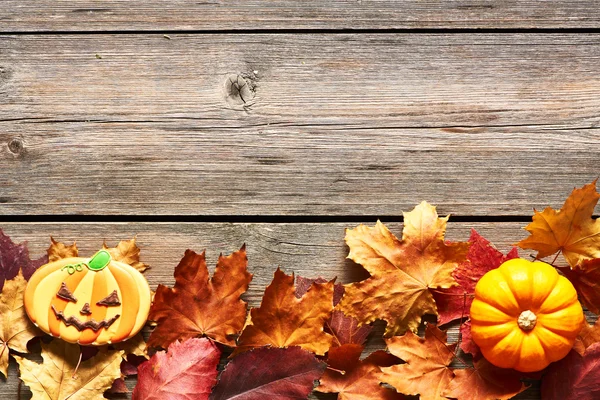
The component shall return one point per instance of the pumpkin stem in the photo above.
(527, 320)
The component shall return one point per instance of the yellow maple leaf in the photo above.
(128, 253)
(56, 379)
(570, 230)
(15, 327)
(402, 271)
(59, 250)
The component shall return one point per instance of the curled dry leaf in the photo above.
(55, 378)
(127, 252)
(199, 306)
(15, 257)
(484, 382)
(403, 272)
(454, 303)
(354, 379)
(426, 372)
(283, 320)
(16, 330)
(571, 230)
(269, 373)
(59, 250)
(575, 377)
(187, 371)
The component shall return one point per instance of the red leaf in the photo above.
(467, 344)
(187, 370)
(14, 257)
(269, 373)
(455, 302)
(585, 277)
(574, 377)
(344, 329)
(484, 382)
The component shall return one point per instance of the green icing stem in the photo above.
(100, 260)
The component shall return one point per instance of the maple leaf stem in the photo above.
(462, 321)
(78, 363)
(557, 254)
(456, 356)
(336, 370)
(453, 294)
(3, 349)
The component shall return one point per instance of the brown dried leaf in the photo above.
(55, 378)
(59, 250)
(484, 382)
(127, 252)
(283, 320)
(199, 306)
(571, 230)
(585, 277)
(16, 330)
(402, 272)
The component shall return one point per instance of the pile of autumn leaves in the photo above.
(313, 331)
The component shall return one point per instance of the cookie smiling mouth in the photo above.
(81, 325)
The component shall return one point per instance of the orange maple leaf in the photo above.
(484, 382)
(571, 230)
(354, 379)
(199, 306)
(283, 320)
(402, 272)
(426, 372)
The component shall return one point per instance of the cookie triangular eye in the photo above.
(110, 300)
(65, 294)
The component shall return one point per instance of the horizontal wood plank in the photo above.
(366, 124)
(127, 15)
(309, 250)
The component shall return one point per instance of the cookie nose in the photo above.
(86, 310)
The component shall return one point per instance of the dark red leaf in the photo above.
(574, 377)
(467, 344)
(269, 373)
(187, 371)
(14, 257)
(455, 302)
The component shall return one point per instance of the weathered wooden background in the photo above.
(279, 123)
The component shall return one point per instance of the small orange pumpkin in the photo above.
(525, 315)
(93, 301)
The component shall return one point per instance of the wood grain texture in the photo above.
(90, 15)
(306, 249)
(367, 124)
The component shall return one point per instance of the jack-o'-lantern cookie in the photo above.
(93, 301)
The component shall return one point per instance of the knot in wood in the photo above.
(239, 90)
(15, 146)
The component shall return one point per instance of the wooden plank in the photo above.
(325, 124)
(90, 15)
(306, 249)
